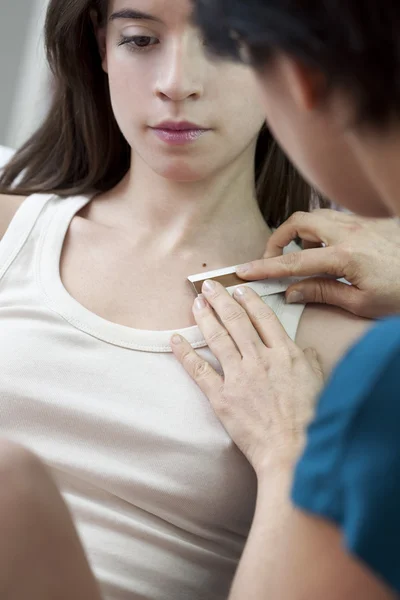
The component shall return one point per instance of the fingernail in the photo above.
(200, 303)
(295, 298)
(176, 339)
(243, 268)
(240, 291)
(209, 286)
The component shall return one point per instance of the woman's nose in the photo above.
(180, 73)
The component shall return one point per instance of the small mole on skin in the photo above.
(204, 265)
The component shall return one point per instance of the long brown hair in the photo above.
(80, 149)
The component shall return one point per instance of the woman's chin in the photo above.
(181, 173)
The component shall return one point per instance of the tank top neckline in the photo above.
(60, 300)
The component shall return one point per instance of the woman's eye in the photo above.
(139, 42)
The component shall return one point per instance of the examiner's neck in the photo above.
(379, 154)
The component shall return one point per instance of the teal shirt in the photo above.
(350, 470)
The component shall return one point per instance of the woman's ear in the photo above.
(101, 37)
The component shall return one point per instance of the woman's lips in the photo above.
(179, 137)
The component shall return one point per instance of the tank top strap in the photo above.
(21, 227)
(288, 314)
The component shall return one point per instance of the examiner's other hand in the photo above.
(365, 252)
(267, 393)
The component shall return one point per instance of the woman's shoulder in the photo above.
(359, 408)
(331, 331)
(9, 204)
(377, 356)
(363, 393)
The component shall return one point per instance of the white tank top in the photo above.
(162, 499)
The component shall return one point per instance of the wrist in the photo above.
(274, 488)
(279, 464)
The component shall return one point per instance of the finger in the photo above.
(198, 369)
(311, 227)
(233, 317)
(217, 337)
(313, 359)
(306, 263)
(338, 216)
(351, 221)
(265, 321)
(304, 244)
(326, 291)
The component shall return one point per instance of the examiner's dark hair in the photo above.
(80, 149)
(355, 43)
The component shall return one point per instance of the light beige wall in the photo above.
(23, 72)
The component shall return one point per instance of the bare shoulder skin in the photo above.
(8, 207)
(331, 331)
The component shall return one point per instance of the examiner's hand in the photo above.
(267, 393)
(365, 252)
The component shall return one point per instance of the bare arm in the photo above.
(284, 541)
(293, 556)
(8, 207)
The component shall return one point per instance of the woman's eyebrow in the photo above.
(133, 14)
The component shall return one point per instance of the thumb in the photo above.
(325, 291)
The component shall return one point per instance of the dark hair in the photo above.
(79, 148)
(356, 44)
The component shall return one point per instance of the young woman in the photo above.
(142, 174)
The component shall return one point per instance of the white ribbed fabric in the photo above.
(161, 497)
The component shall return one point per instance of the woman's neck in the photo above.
(218, 219)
